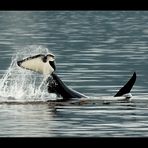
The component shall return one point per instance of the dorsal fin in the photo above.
(127, 87)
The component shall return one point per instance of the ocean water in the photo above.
(96, 53)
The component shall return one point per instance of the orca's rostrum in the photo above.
(45, 64)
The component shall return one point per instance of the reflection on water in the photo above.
(116, 119)
(96, 53)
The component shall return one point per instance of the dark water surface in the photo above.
(96, 53)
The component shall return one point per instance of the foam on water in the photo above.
(23, 85)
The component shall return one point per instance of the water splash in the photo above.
(23, 85)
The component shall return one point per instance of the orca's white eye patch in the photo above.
(38, 63)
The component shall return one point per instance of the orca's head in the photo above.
(44, 64)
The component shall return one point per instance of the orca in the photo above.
(56, 85)
(45, 64)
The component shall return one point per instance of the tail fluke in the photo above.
(127, 87)
(43, 64)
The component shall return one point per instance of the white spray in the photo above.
(23, 85)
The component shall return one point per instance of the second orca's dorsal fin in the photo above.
(127, 87)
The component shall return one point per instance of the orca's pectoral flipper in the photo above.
(127, 87)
